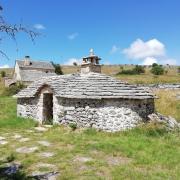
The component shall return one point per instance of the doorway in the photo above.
(47, 108)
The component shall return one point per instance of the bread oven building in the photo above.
(87, 99)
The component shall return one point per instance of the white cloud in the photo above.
(149, 61)
(4, 66)
(72, 36)
(39, 26)
(149, 52)
(72, 60)
(140, 49)
(163, 61)
(114, 49)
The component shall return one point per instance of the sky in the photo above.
(119, 31)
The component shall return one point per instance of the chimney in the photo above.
(91, 63)
(27, 61)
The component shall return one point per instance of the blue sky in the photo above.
(119, 31)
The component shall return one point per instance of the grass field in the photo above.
(148, 152)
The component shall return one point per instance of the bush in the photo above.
(13, 89)
(139, 69)
(75, 63)
(136, 70)
(73, 126)
(58, 69)
(3, 73)
(157, 69)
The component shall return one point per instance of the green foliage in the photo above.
(13, 89)
(154, 64)
(3, 73)
(58, 69)
(139, 69)
(136, 70)
(75, 63)
(73, 126)
(157, 69)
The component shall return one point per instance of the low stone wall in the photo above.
(162, 86)
(109, 115)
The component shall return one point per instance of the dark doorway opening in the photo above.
(47, 108)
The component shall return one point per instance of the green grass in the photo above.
(8, 118)
(148, 152)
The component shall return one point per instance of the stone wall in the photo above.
(109, 115)
(27, 107)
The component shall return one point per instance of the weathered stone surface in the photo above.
(44, 143)
(24, 139)
(41, 129)
(17, 136)
(2, 138)
(26, 150)
(91, 85)
(3, 142)
(82, 159)
(46, 154)
(111, 160)
(44, 175)
(170, 122)
(162, 86)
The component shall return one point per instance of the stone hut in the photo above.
(87, 99)
(27, 70)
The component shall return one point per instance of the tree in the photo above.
(58, 69)
(157, 69)
(12, 29)
(139, 69)
(75, 63)
(3, 73)
(154, 64)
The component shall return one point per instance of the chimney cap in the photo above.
(27, 57)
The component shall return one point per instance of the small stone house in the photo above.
(87, 99)
(27, 71)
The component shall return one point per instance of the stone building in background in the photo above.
(87, 99)
(26, 71)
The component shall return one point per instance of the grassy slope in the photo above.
(140, 153)
(171, 77)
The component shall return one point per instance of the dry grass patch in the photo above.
(168, 104)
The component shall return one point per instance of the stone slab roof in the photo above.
(36, 65)
(32, 75)
(89, 86)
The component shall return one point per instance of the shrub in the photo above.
(13, 89)
(154, 64)
(3, 73)
(179, 69)
(139, 69)
(157, 69)
(58, 69)
(73, 126)
(75, 63)
(136, 70)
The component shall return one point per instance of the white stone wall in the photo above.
(108, 115)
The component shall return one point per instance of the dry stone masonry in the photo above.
(87, 99)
